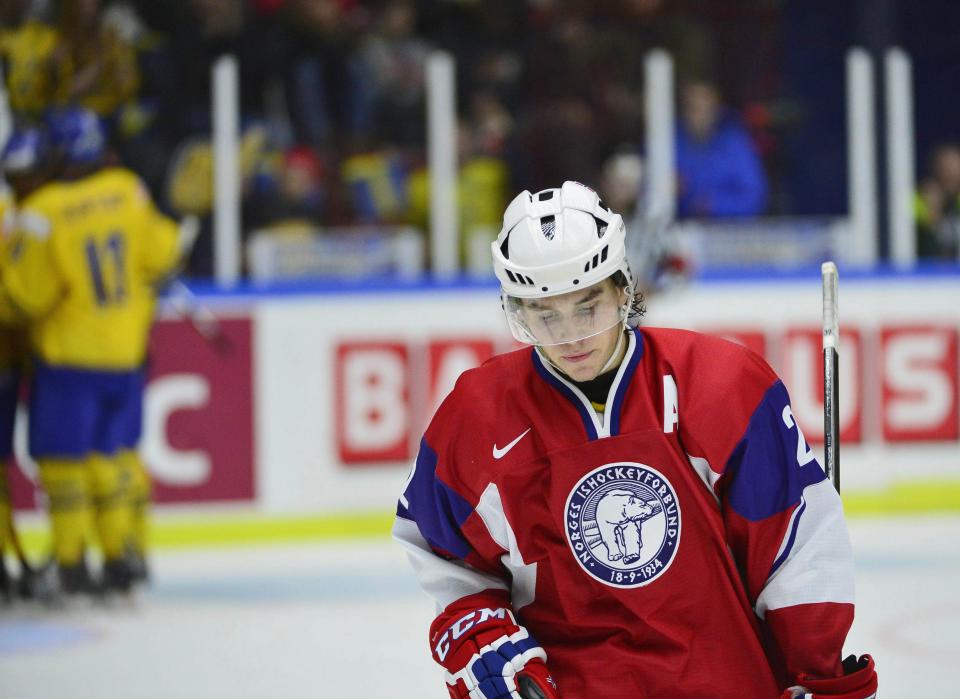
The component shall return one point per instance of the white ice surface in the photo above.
(346, 621)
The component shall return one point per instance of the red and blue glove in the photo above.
(858, 682)
(487, 655)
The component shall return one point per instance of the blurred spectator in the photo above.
(938, 205)
(330, 89)
(483, 186)
(26, 46)
(717, 166)
(290, 191)
(483, 181)
(621, 179)
(396, 58)
(563, 134)
(377, 182)
(205, 31)
(337, 91)
(93, 65)
(489, 39)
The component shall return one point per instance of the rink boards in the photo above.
(313, 401)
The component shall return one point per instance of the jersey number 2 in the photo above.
(804, 453)
(108, 289)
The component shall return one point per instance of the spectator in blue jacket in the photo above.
(719, 171)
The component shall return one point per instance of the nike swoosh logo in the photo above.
(500, 453)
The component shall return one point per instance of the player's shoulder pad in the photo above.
(464, 427)
(474, 387)
(478, 395)
(125, 178)
(33, 221)
(730, 364)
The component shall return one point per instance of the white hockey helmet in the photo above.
(554, 242)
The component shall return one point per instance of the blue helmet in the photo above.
(76, 135)
(26, 151)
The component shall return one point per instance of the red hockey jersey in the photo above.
(683, 543)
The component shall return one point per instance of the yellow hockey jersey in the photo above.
(27, 53)
(89, 254)
(9, 336)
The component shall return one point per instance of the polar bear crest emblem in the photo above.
(622, 522)
(620, 516)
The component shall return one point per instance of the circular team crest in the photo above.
(623, 524)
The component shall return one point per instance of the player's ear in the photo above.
(622, 293)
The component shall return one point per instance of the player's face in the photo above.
(591, 318)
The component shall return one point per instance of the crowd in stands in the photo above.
(938, 205)
(333, 100)
(333, 97)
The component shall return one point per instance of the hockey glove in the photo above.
(487, 655)
(858, 682)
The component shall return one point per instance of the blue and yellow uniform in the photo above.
(9, 379)
(9, 340)
(90, 252)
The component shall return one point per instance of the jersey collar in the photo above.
(607, 424)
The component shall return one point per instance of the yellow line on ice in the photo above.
(254, 530)
(233, 530)
(923, 497)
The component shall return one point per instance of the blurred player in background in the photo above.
(622, 511)
(92, 247)
(25, 163)
(9, 382)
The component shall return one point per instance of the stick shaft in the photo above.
(831, 379)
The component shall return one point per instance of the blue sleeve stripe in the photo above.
(437, 509)
(791, 540)
(766, 477)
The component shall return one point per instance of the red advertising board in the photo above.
(801, 367)
(382, 401)
(387, 391)
(919, 365)
(372, 402)
(198, 418)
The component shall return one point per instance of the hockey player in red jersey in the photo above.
(621, 511)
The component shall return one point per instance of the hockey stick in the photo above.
(183, 301)
(529, 689)
(831, 379)
(202, 319)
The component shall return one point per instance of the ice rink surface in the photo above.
(346, 621)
